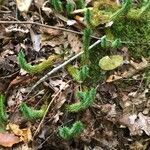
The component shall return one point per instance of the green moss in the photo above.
(135, 31)
(122, 11)
(131, 23)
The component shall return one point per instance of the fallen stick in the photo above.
(44, 25)
(61, 66)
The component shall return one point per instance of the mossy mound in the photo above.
(135, 31)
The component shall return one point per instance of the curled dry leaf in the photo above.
(23, 5)
(36, 40)
(136, 123)
(8, 140)
(74, 41)
(24, 134)
(135, 68)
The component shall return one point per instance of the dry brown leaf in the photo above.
(23, 80)
(50, 32)
(14, 128)
(23, 5)
(48, 40)
(136, 123)
(39, 3)
(8, 139)
(113, 78)
(58, 84)
(36, 40)
(74, 42)
(24, 134)
(135, 68)
(139, 145)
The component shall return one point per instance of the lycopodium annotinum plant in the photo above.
(78, 75)
(3, 115)
(122, 11)
(87, 17)
(86, 43)
(80, 4)
(106, 43)
(70, 6)
(140, 12)
(31, 113)
(86, 99)
(33, 69)
(57, 4)
(67, 133)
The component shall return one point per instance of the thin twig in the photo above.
(55, 131)
(44, 25)
(62, 29)
(39, 127)
(61, 66)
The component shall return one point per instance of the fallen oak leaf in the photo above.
(24, 134)
(23, 80)
(8, 139)
(136, 123)
(113, 77)
(134, 69)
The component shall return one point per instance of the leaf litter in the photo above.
(118, 118)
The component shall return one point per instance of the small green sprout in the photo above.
(80, 4)
(105, 43)
(87, 17)
(35, 68)
(144, 9)
(116, 43)
(67, 133)
(31, 113)
(3, 115)
(86, 44)
(122, 11)
(78, 75)
(70, 6)
(83, 73)
(86, 100)
(57, 4)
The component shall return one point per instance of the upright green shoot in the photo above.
(87, 17)
(86, 99)
(122, 11)
(3, 115)
(67, 133)
(78, 75)
(70, 6)
(57, 4)
(86, 44)
(80, 4)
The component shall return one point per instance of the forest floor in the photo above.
(117, 117)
